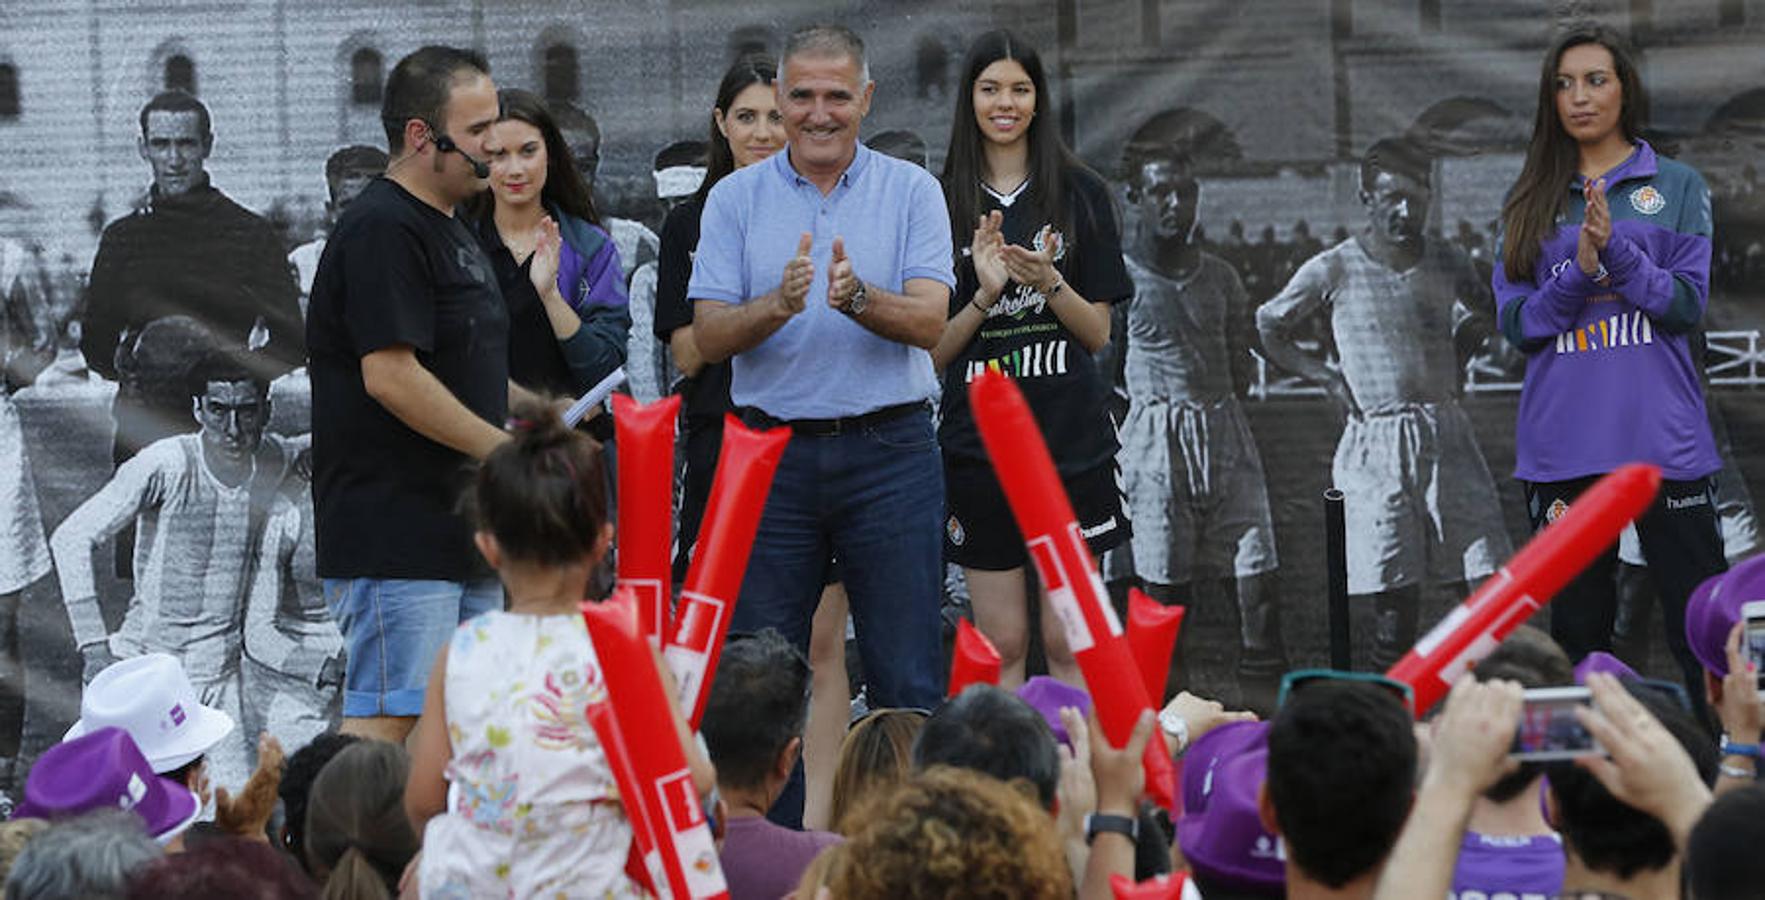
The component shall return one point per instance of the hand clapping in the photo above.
(1033, 267)
(799, 273)
(841, 283)
(547, 248)
(987, 249)
(1596, 228)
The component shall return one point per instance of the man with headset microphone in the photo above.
(407, 332)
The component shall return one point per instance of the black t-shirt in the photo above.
(397, 271)
(1024, 338)
(536, 361)
(704, 397)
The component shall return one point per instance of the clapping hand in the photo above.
(987, 250)
(547, 248)
(1596, 228)
(1034, 267)
(799, 273)
(841, 283)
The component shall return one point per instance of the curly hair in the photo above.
(953, 833)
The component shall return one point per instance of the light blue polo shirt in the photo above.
(821, 364)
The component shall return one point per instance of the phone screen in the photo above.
(1548, 726)
(1755, 647)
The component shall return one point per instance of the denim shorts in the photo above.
(394, 628)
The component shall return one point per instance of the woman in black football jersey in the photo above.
(1033, 292)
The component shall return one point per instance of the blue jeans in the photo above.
(873, 497)
(393, 629)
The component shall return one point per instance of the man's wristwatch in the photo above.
(1177, 727)
(857, 302)
(1098, 823)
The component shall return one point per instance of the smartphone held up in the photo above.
(1753, 640)
(1549, 728)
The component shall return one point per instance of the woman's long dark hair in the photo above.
(1552, 159)
(1049, 162)
(564, 188)
(751, 68)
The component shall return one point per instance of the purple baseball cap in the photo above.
(1712, 610)
(1047, 695)
(104, 769)
(1221, 830)
(1604, 663)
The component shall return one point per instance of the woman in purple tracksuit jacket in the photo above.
(1604, 275)
(565, 340)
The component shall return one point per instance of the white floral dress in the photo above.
(533, 810)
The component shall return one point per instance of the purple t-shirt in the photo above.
(763, 861)
(1508, 868)
(1610, 377)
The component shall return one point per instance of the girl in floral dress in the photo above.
(511, 789)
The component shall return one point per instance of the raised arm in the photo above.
(1470, 753)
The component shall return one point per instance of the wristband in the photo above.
(1099, 823)
(1055, 289)
(1729, 748)
(984, 310)
(1736, 772)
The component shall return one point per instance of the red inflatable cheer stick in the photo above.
(976, 662)
(1152, 635)
(1069, 575)
(732, 515)
(1158, 887)
(643, 839)
(648, 761)
(1509, 597)
(645, 437)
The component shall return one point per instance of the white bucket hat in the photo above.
(151, 698)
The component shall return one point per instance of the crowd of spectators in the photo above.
(1342, 793)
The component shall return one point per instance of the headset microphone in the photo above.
(446, 144)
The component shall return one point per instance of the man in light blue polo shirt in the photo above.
(825, 273)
